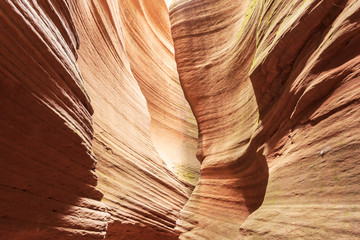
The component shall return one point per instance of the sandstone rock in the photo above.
(214, 49)
(300, 61)
(150, 49)
(48, 153)
(47, 178)
(141, 194)
(311, 124)
(98, 139)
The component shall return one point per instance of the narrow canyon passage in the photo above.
(179, 119)
(144, 131)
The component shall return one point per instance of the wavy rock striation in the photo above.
(214, 49)
(150, 49)
(142, 195)
(49, 139)
(47, 179)
(306, 76)
(274, 87)
(272, 83)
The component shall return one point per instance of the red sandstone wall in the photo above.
(55, 57)
(275, 81)
(47, 165)
(274, 87)
(142, 195)
(150, 49)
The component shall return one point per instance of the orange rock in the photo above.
(48, 142)
(47, 180)
(214, 48)
(301, 64)
(98, 138)
(151, 53)
(120, 65)
(311, 125)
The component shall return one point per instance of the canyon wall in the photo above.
(48, 183)
(104, 125)
(214, 50)
(55, 57)
(150, 49)
(272, 84)
(119, 69)
(306, 77)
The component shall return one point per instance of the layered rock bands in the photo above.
(55, 57)
(229, 120)
(274, 86)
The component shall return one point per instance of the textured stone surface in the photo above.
(274, 80)
(47, 147)
(274, 87)
(150, 49)
(307, 83)
(214, 50)
(142, 195)
(47, 182)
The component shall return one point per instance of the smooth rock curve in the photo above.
(142, 195)
(299, 63)
(47, 165)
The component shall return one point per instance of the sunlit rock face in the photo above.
(273, 82)
(109, 108)
(55, 57)
(306, 77)
(214, 48)
(149, 46)
(127, 62)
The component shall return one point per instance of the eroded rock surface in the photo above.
(274, 87)
(142, 195)
(306, 77)
(150, 49)
(214, 50)
(274, 80)
(47, 179)
(50, 142)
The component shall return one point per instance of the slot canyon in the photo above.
(183, 119)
